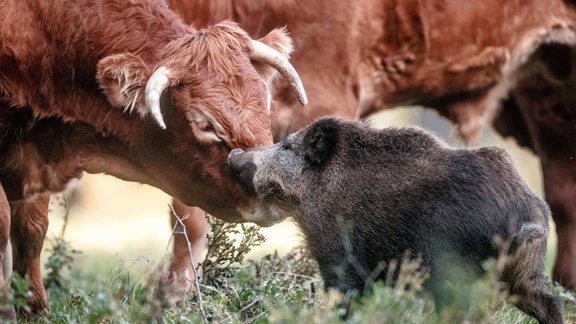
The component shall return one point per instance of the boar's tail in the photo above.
(524, 270)
(531, 231)
(527, 234)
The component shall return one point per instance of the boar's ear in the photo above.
(123, 79)
(319, 142)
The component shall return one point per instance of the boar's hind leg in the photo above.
(524, 273)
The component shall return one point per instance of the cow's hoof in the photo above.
(7, 313)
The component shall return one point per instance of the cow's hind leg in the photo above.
(541, 114)
(29, 225)
(524, 273)
(6, 307)
(181, 272)
(561, 194)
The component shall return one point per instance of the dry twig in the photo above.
(192, 262)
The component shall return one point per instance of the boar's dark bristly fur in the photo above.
(363, 197)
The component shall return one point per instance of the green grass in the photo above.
(258, 293)
(274, 289)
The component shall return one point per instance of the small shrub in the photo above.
(58, 263)
(228, 245)
(61, 254)
(19, 291)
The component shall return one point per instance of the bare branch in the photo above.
(192, 262)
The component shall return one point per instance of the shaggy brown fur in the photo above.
(72, 80)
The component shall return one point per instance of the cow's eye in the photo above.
(206, 132)
(206, 126)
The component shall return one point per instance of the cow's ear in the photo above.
(279, 40)
(123, 79)
(320, 141)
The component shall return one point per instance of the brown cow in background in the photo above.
(124, 88)
(476, 62)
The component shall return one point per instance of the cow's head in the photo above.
(208, 93)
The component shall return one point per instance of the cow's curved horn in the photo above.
(266, 54)
(157, 83)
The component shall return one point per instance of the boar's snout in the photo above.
(242, 166)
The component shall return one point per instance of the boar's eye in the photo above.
(285, 144)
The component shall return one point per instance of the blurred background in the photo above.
(112, 221)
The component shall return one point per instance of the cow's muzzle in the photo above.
(242, 166)
(233, 153)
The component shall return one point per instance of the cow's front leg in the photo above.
(196, 227)
(29, 225)
(6, 307)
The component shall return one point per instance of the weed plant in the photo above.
(274, 289)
